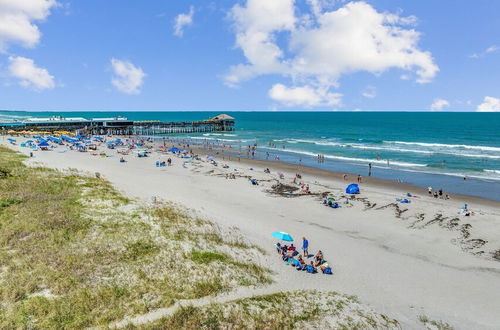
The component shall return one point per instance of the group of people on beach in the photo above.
(292, 257)
(437, 193)
(303, 186)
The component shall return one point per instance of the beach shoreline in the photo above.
(278, 165)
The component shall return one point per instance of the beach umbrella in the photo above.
(174, 149)
(282, 236)
(43, 144)
(29, 141)
(211, 157)
(353, 188)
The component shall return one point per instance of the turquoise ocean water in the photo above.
(422, 148)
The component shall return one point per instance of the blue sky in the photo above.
(250, 55)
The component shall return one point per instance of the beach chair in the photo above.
(301, 267)
(328, 270)
(310, 269)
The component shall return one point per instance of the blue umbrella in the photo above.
(174, 149)
(43, 144)
(29, 141)
(282, 236)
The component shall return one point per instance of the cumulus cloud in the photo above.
(316, 49)
(183, 20)
(256, 24)
(439, 104)
(304, 96)
(490, 104)
(127, 78)
(18, 21)
(29, 75)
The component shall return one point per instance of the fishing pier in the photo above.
(117, 126)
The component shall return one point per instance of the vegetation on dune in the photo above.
(291, 310)
(75, 253)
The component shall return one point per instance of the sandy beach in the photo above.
(404, 260)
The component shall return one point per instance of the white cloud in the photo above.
(255, 24)
(370, 92)
(29, 75)
(303, 96)
(317, 50)
(17, 21)
(183, 20)
(490, 104)
(127, 78)
(439, 104)
(488, 50)
(492, 49)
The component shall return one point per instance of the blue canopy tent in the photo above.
(69, 139)
(54, 139)
(352, 189)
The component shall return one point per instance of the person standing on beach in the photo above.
(370, 169)
(359, 178)
(305, 247)
(429, 189)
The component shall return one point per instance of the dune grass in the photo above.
(290, 310)
(75, 253)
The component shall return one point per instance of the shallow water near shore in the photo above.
(421, 148)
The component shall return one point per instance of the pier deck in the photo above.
(119, 126)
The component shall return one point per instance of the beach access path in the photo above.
(400, 270)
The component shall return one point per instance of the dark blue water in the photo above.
(422, 148)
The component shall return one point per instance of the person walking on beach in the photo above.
(359, 178)
(429, 189)
(305, 247)
(369, 169)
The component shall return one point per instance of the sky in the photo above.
(265, 55)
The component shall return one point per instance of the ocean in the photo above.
(423, 148)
